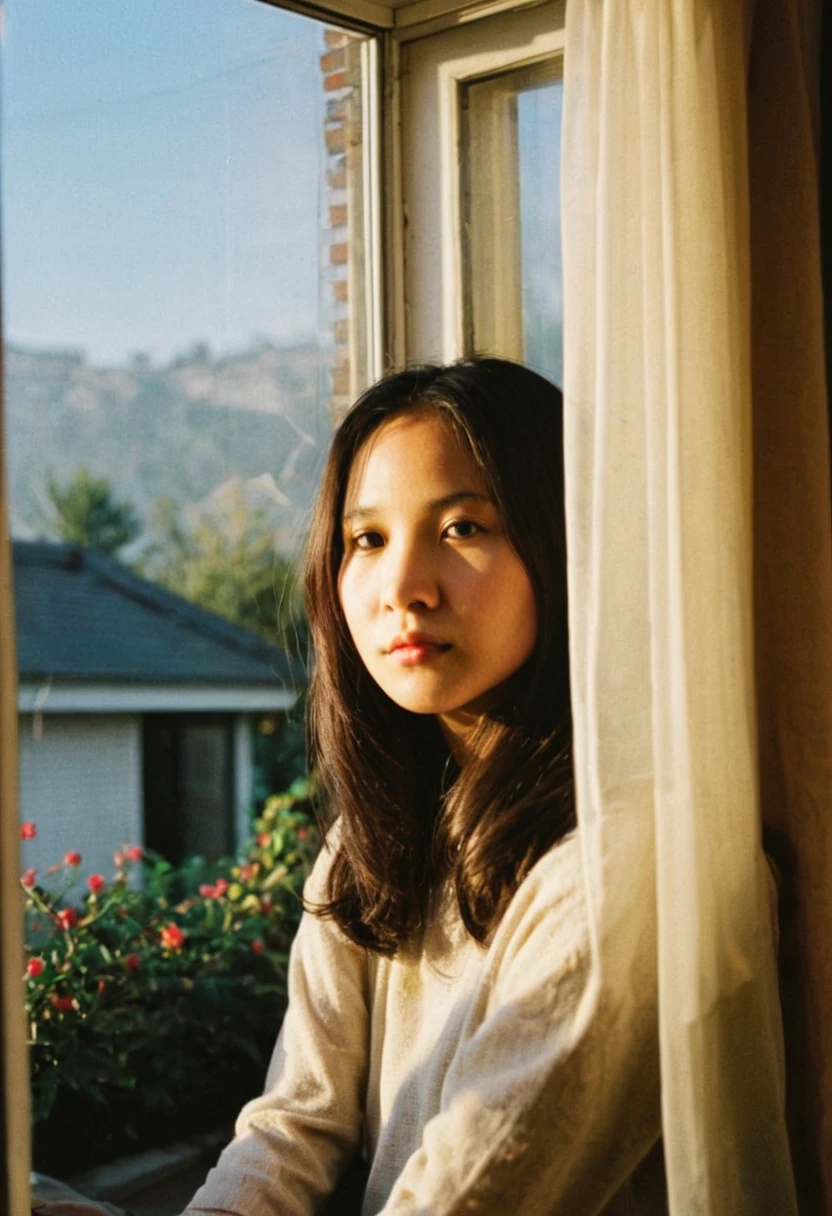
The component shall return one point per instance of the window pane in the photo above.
(511, 216)
(188, 246)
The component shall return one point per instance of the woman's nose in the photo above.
(410, 579)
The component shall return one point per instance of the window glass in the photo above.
(185, 253)
(511, 216)
(188, 272)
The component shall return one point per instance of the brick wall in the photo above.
(341, 71)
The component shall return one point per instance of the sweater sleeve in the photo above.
(552, 1099)
(292, 1144)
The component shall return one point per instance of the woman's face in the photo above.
(439, 605)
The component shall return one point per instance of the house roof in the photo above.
(82, 617)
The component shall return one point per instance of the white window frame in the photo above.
(432, 72)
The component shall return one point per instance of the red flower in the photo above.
(28, 878)
(216, 891)
(102, 984)
(35, 967)
(72, 858)
(171, 936)
(264, 840)
(28, 831)
(132, 962)
(96, 884)
(265, 904)
(63, 1004)
(302, 833)
(248, 872)
(257, 946)
(67, 918)
(134, 852)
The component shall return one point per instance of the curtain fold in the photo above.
(793, 554)
(657, 246)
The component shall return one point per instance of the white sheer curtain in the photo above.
(658, 389)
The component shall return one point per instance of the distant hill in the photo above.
(177, 431)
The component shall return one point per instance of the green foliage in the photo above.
(165, 975)
(84, 512)
(222, 555)
(279, 750)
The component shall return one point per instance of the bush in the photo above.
(152, 1005)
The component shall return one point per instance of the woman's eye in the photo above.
(463, 529)
(367, 540)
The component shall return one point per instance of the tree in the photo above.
(222, 555)
(84, 512)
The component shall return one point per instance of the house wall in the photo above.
(81, 784)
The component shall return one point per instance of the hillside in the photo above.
(177, 431)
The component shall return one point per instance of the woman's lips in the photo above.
(410, 652)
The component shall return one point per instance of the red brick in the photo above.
(337, 179)
(338, 80)
(341, 381)
(338, 216)
(339, 254)
(336, 37)
(333, 61)
(336, 139)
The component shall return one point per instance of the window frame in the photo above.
(431, 74)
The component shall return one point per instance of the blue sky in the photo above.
(162, 174)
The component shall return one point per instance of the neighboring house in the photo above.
(136, 711)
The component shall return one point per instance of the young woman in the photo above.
(443, 1023)
(444, 1026)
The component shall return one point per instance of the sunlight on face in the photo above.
(438, 603)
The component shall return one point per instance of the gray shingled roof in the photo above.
(82, 616)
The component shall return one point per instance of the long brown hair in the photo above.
(409, 818)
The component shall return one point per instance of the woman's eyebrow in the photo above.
(450, 500)
(437, 504)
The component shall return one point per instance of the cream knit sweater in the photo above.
(476, 1080)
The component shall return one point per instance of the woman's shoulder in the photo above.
(556, 881)
(547, 918)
